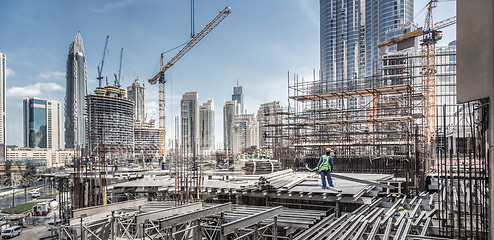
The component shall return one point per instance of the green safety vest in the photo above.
(404, 212)
(325, 164)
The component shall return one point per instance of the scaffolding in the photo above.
(372, 124)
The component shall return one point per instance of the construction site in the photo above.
(399, 139)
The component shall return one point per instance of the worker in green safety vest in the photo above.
(325, 167)
(402, 211)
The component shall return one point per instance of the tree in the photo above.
(9, 179)
(28, 178)
(6, 179)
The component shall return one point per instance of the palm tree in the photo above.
(9, 179)
(28, 178)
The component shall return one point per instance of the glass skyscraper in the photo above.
(189, 112)
(42, 123)
(75, 93)
(350, 31)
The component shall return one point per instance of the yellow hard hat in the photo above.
(329, 150)
(394, 195)
(400, 208)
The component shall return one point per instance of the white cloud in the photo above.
(311, 12)
(33, 90)
(57, 75)
(9, 72)
(117, 4)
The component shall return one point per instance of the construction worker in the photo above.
(270, 155)
(393, 198)
(116, 164)
(325, 167)
(163, 162)
(89, 164)
(402, 211)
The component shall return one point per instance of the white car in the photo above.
(11, 232)
(35, 193)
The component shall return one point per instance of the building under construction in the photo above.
(374, 124)
(146, 138)
(110, 124)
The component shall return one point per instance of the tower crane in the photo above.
(117, 83)
(160, 76)
(100, 70)
(430, 35)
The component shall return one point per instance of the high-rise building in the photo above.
(75, 92)
(189, 112)
(110, 124)
(42, 123)
(3, 78)
(206, 127)
(228, 115)
(270, 118)
(135, 92)
(239, 96)
(245, 132)
(350, 31)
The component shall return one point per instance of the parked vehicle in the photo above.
(41, 209)
(12, 232)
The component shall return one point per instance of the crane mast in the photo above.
(100, 70)
(117, 84)
(160, 76)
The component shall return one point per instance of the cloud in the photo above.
(311, 12)
(33, 90)
(57, 75)
(109, 6)
(52, 75)
(9, 72)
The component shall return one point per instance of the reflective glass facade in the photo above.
(42, 128)
(35, 123)
(350, 31)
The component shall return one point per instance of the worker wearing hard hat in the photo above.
(394, 198)
(325, 167)
(402, 211)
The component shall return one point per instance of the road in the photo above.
(6, 201)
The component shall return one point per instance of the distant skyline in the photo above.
(257, 44)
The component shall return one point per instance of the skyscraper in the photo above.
(189, 112)
(228, 115)
(75, 93)
(206, 126)
(42, 123)
(245, 132)
(135, 92)
(3, 78)
(350, 31)
(239, 96)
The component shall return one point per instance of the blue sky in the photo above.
(256, 44)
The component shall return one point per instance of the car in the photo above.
(35, 194)
(11, 232)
